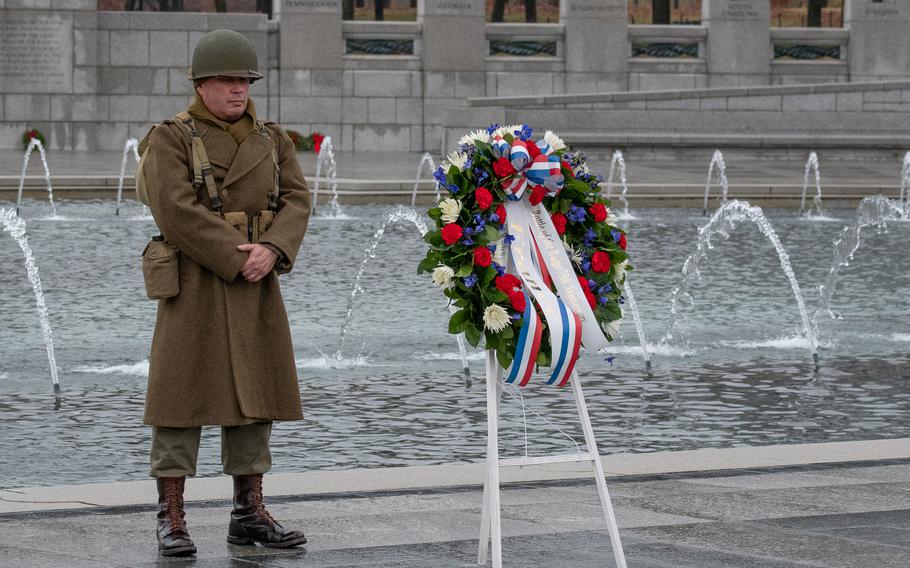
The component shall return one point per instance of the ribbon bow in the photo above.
(543, 169)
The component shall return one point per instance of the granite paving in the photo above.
(846, 515)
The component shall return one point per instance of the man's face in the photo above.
(225, 97)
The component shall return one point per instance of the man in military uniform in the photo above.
(227, 191)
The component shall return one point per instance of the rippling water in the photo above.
(738, 374)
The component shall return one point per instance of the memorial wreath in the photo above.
(525, 244)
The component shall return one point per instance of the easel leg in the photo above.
(599, 475)
(490, 523)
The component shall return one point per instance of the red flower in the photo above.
(317, 141)
(537, 194)
(518, 302)
(484, 197)
(451, 233)
(600, 261)
(482, 257)
(566, 166)
(501, 213)
(503, 167)
(533, 150)
(583, 282)
(622, 242)
(559, 221)
(599, 212)
(508, 284)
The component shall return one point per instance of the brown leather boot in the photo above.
(173, 539)
(251, 523)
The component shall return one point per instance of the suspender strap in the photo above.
(273, 197)
(202, 169)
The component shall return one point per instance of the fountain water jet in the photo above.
(400, 215)
(717, 160)
(722, 223)
(15, 226)
(812, 163)
(618, 160)
(327, 157)
(875, 211)
(636, 317)
(427, 158)
(905, 184)
(130, 143)
(35, 143)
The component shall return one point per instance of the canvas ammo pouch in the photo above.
(161, 269)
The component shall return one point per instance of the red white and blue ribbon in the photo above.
(540, 261)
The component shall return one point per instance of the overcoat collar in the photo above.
(254, 148)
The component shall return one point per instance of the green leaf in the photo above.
(489, 273)
(504, 356)
(612, 311)
(461, 303)
(496, 295)
(429, 263)
(492, 340)
(472, 334)
(507, 333)
(435, 213)
(434, 238)
(458, 323)
(464, 270)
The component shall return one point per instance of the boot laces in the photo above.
(174, 498)
(258, 502)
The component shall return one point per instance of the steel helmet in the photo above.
(226, 53)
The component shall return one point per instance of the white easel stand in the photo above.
(490, 524)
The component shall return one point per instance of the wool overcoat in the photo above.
(221, 352)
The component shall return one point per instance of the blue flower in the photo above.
(616, 235)
(622, 299)
(467, 242)
(469, 163)
(508, 239)
(500, 269)
(524, 133)
(478, 218)
(492, 128)
(453, 188)
(603, 300)
(590, 235)
(605, 289)
(516, 317)
(468, 231)
(610, 359)
(440, 176)
(470, 280)
(591, 284)
(482, 175)
(586, 266)
(494, 218)
(491, 248)
(576, 214)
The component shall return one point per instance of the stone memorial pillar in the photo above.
(454, 38)
(879, 40)
(738, 50)
(311, 34)
(596, 46)
(39, 48)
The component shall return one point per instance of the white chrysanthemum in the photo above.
(443, 277)
(620, 271)
(503, 130)
(574, 255)
(445, 167)
(451, 209)
(457, 159)
(611, 328)
(496, 318)
(473, 137)
(554, 141)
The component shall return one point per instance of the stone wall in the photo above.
(874, 115)
(90, 79)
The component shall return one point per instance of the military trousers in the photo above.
(244, 450)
